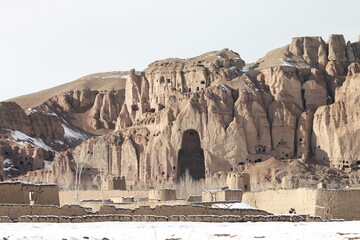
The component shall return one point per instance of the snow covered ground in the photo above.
(180, 230)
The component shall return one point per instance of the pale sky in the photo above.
(45, 43)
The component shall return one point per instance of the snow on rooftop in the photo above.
(28, 183)
(22, 138)
(233, 206)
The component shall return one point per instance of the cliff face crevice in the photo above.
(297, 102)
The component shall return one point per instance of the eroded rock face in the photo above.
(20, 158)
(93, 111)
(312, 49)
(336, 127)
(210, 114)
(30, 140)
(12, 116)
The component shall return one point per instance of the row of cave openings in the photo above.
(201, 86)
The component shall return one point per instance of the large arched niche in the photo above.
(191, 156)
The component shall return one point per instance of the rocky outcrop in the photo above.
(92, 111)
(337, 49)
(312, 49)
(12, 116)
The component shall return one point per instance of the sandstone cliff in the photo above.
(207, 114)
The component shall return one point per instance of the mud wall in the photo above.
(14, 211)
(168, 210)
(68, 196)
(281, 201)
(95, 205)
(13, 193)
(173, 218)
(116, 195)
(328, 204)
(338, 204)
(222, 195)
(24, 193)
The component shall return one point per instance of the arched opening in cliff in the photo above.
(191, 156)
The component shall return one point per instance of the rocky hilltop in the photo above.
(201, 117)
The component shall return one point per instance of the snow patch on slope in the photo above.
(22, 138)
(115, 76)
(224, 87)
(33, 110)
(235, 69)
(285, 63)
(245, 69)
(47, 163)
(72, 134)
(8, 164)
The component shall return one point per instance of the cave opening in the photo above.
(191, 156)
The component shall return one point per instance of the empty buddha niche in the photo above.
(191, 156)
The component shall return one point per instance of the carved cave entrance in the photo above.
(191, 156)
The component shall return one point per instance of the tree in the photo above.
(99, 158)
(80, 159)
